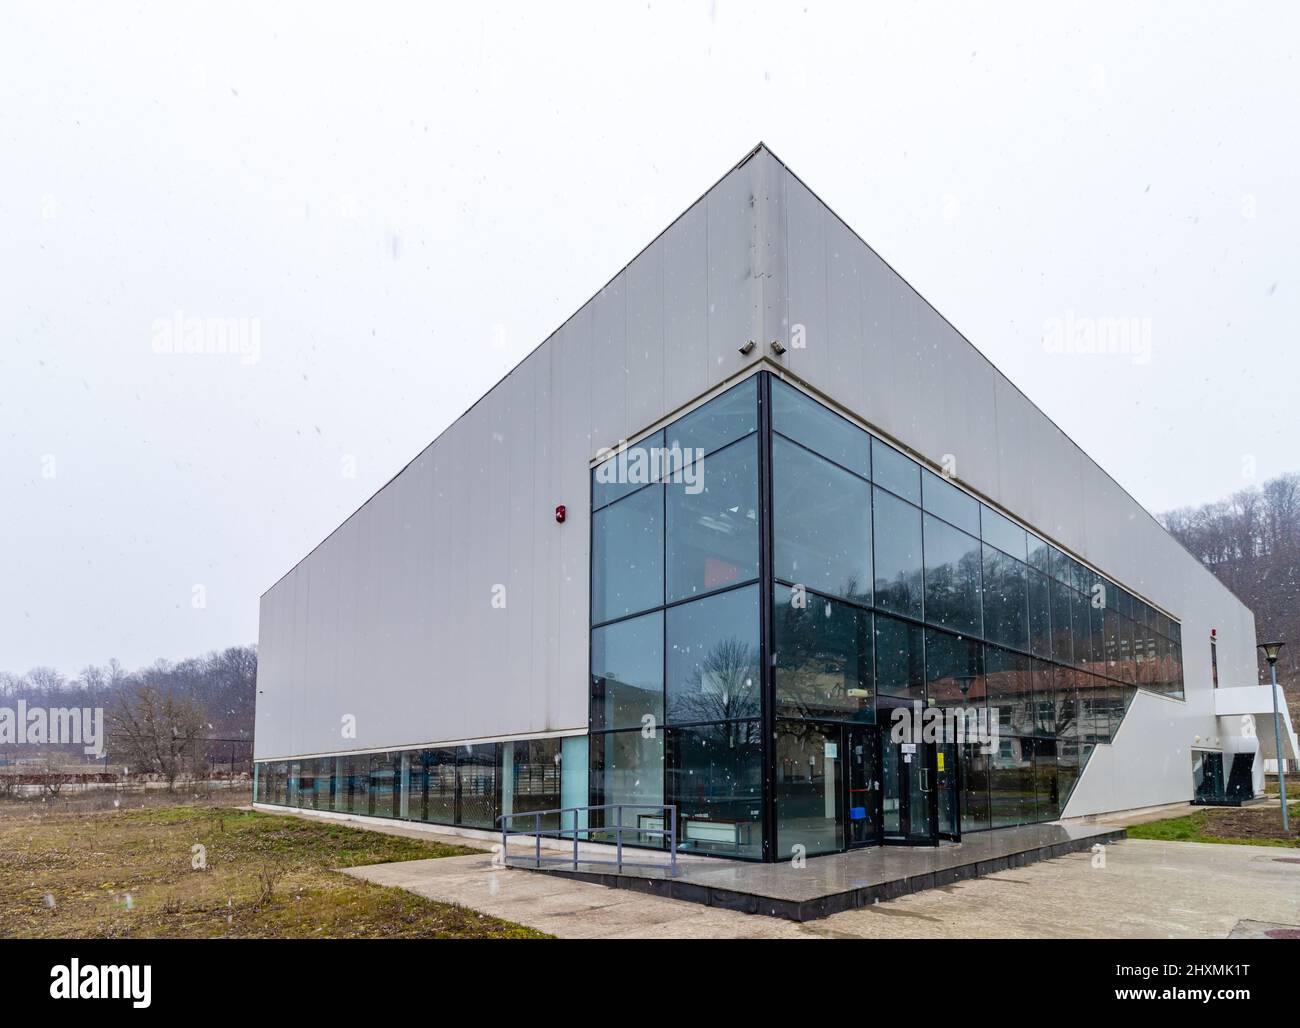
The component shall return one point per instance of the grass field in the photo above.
(130, 873)
(1254, 826)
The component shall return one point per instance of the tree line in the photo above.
(165, 719)
(1251, 542)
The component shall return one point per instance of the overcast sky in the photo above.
(402, 202)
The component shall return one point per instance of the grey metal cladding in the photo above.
(391, 622)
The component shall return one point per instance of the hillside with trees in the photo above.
(1251, 541)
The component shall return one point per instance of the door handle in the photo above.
(925, 779)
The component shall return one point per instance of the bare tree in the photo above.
(157, 731)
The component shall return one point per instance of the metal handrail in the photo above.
(668, 812)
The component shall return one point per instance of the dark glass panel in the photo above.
(441, 765)
(627, 470)
(952, 578)
(809, 789)
(715, 778)
(713, 672)
(1002, 532)
(1044, 710)
(1094, 717)
(1011, 782)
(1010, 690)
(953, 671)
(1046, 785)
(476, 784)
(896, 471)
(806, 421)
(974, 788)
(900, 658)
(1040, 554)
(358, 779)
(627, 555)
(1062, 638)
(713, 425)
(823, 658)
(530, 781)
(1006, 599)
(1067, 701)
(627, 768)
(898, 565)
(1040, 613)
(1096, 637)
(627, 672)
(1080, 629)
(713, 523)
(950, 503)
(821, 524)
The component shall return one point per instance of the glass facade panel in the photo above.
(952, 577)
(715, 779)
(627, 768)
(899, 568)
(627, 672)
(953, 670)
(974, 788)
(823, 658)
(822, 524)
(900, 659)
(627, 555)
(476, 783)
(530, 781)
(809, 789)
(807, 422)
(713, 523)
(948, 502)
(627, 471)
(713, 425)
(713, 665)
(1011, 783)
(1006, 599)
(896, 471)
(1011, 691)
(1005, 534)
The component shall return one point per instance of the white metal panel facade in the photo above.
(390, 622)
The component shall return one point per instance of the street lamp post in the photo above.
(1271, 651)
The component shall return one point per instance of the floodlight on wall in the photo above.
(778, 347)
(748, 348)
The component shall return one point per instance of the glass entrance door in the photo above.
(863, 794)
(909, 790)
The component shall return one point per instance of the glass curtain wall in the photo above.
(676, 683)
(887, 582)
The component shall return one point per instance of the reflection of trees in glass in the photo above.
(952, 591)
(823, 652)
(721, 687)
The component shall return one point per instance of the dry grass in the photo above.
(129, 873)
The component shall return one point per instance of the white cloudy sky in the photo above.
(382, 185)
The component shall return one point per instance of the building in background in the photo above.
(733, 539)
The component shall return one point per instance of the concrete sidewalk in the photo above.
(1147, 889)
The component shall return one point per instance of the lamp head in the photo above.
(1271, 650)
